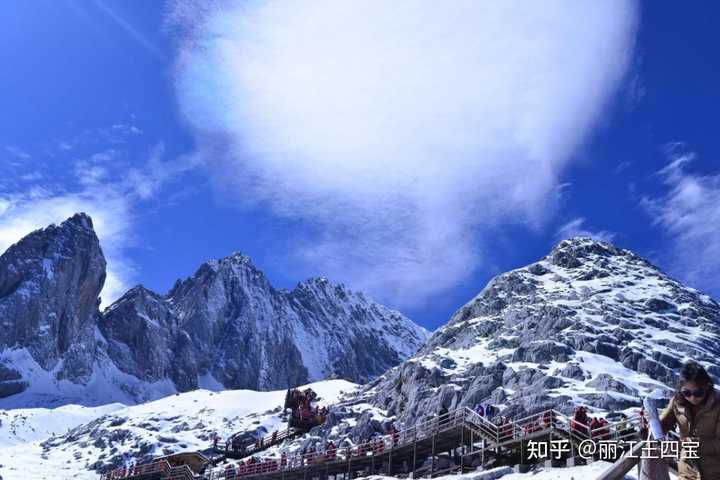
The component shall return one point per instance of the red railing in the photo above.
(495, 434)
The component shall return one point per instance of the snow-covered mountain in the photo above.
(224, 327)
(588, 324)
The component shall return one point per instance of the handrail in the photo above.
(138, 469)
(267, 442)
(496, 435)
(180, 472)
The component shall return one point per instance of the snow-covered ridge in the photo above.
(224, 327)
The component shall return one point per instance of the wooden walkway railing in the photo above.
(268, 441)
(451, 430)
(509, 435)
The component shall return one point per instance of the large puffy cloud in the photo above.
(398, 131)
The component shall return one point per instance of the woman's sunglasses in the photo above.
(699, 393)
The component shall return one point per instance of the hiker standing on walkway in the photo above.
(695, 409)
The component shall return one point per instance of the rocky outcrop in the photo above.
(49, 286)
(227, 321)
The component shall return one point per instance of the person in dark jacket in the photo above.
(695, 410)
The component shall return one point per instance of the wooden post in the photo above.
(390, 459)
(624, 464)
(462, 449)
(432, 464)
(414, 452)
(482, 454)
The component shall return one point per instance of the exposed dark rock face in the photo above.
(224, 326)
(49, 286)
(229, 322)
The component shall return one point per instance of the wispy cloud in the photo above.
(17, 153)
(576, 228)
(689, 212)
(103, 185)
(622, 166)
(128, 28)
(398, 131)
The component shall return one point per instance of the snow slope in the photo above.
(67, 442)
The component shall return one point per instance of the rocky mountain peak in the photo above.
(589, 323)
(80, 220)
(573, 252)
(49, 286)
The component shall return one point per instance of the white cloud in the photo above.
(399, 131)
(689, 212)
(106, 193)
(576, 228)
(17, 153)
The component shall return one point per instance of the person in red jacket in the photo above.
(604, 432)
(330, 451)
(580, 421)
(594, 424)
(548, 419)
(310, 455)
(379, 446)
(395, 435)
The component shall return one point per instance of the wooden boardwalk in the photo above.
(465, 436)
(462, 435)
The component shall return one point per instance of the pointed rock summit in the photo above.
(590, 324)
(49, 286)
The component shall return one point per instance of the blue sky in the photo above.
(412, 163)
